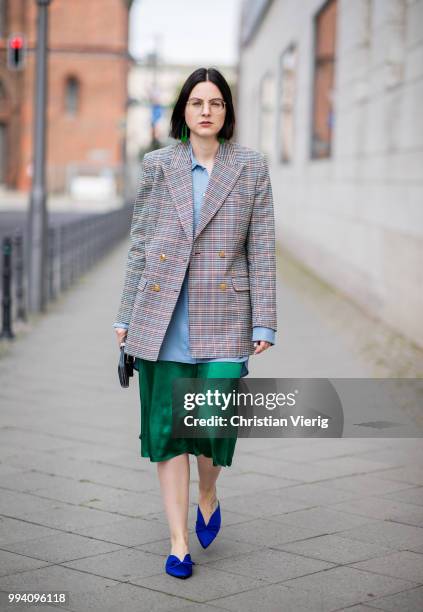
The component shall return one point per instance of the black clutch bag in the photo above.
(125, 366)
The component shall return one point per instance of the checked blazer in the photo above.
(230, 258)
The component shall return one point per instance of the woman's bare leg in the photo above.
(174, 477)
(208, 474)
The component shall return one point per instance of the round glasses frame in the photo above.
(216, 105)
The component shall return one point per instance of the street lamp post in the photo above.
(37, 219)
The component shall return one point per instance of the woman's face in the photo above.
(203, 106)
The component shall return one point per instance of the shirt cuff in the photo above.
(264, 333)
(122, 325)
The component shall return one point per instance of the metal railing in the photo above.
(75, 243)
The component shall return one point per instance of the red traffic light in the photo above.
(16, 51)
(16, 42)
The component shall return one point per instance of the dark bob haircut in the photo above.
(199, 76)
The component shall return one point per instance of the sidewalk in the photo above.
(307, 524)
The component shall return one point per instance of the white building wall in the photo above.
(356, 219)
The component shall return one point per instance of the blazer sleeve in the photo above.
(261, 252)
(135, 262)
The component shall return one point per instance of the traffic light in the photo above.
(16, 51)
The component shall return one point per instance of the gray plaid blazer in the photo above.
(231, 257)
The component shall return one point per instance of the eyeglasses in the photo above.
(216, 105)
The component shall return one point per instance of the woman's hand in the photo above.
(261, 345)
(121, 334)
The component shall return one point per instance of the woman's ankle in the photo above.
(209, 493)
(179, 547)
(208, 500)
(179, 540)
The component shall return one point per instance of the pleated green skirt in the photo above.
(155, 388)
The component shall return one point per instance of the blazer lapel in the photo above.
(178, 176)
(179, 182)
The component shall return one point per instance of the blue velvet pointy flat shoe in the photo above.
(180, 569)
(207, 533)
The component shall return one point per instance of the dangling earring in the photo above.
(221, 140)
(184, 133)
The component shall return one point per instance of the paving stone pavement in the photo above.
(308, 524)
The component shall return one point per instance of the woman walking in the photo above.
(199, 293)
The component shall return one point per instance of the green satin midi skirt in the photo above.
(155, 389)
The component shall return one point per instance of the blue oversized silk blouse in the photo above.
(175, 345)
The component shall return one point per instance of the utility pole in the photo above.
(37, 220)
(155, 92)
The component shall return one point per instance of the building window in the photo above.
(72, 95)
(395, 50)
(267, 102)
(323, 86)
(287, 77)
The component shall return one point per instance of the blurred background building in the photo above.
(88, 64)
(331, 92)
(105, 107)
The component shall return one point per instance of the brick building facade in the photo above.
(88, 63)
